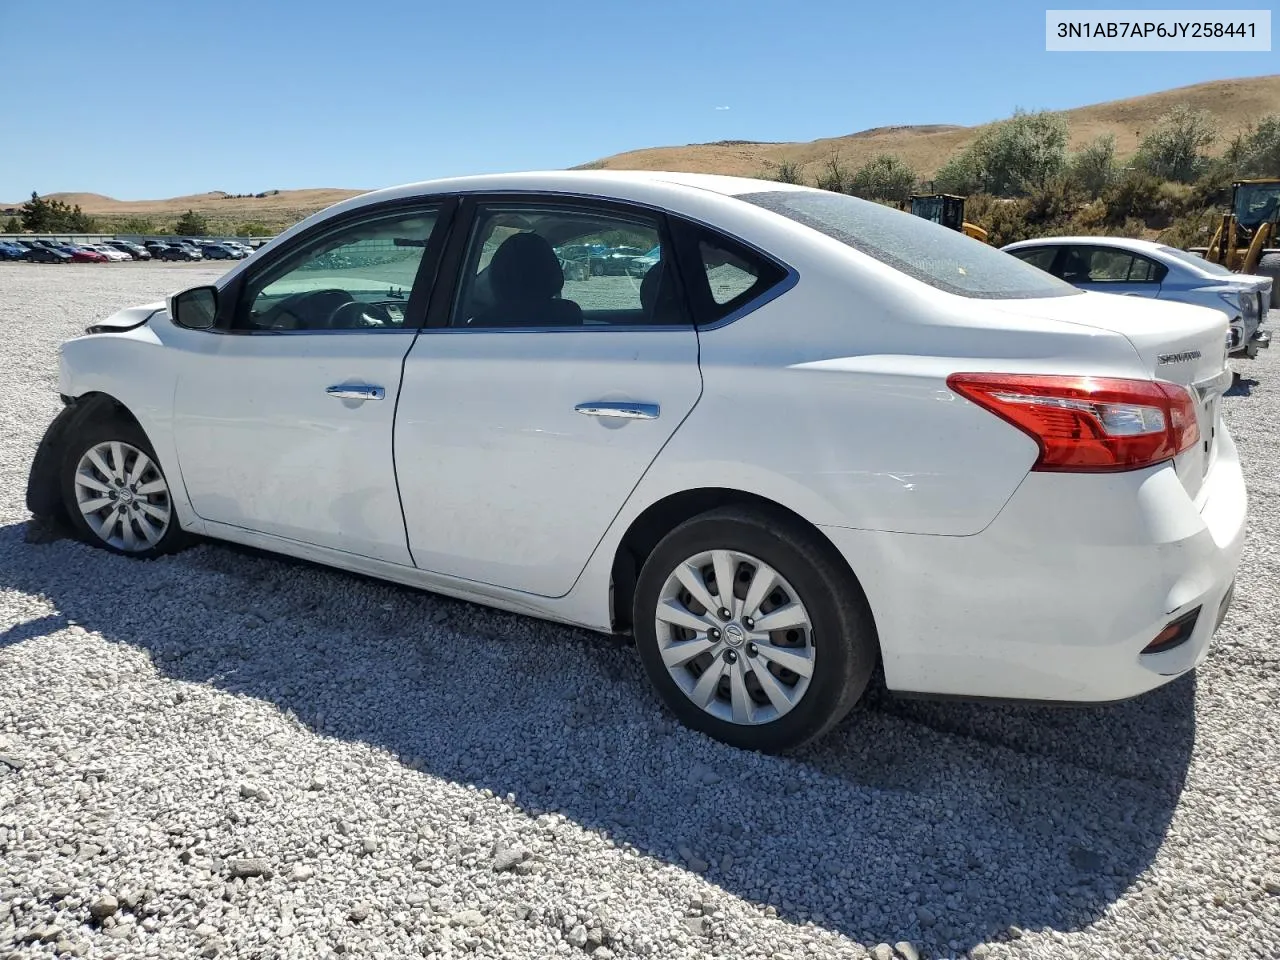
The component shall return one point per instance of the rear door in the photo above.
(532, 405)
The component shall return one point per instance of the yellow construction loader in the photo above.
(948, 210)
(1246, 240)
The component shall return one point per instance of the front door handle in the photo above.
(624, 411)
(356, 391)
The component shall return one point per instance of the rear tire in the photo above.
(1269, 266)
(115, 492)
(810, 632)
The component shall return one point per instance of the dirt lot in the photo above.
(227, 754)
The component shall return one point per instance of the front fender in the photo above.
(44, 489)
(134, 369)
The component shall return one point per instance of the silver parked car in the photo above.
(1141, 268)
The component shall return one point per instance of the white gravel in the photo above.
(227, 754)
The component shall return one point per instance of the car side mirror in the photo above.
(195, 309)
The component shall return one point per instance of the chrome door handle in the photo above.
(624, 411)
(356, 391)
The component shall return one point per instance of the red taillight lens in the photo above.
(1089, 424)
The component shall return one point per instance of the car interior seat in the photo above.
(658, 297)
(1075, 268)
(526, 279)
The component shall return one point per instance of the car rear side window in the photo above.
(933, 254)
(725, 275)
(546, 264)
(1039, 257)
(1109, 265)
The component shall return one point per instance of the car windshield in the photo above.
(1200, 263)
(936, 255)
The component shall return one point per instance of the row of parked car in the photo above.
(104, 251)
(582, 261)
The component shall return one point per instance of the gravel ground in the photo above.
(227, 754)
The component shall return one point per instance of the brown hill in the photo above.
(1233, 103)
(215, 203)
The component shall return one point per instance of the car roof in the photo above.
(659, 188)
(1122, 243)
(601, 182)
(635, 185)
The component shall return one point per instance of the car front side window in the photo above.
(356, 277)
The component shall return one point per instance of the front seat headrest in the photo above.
(525, 268)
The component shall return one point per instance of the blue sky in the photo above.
(158, 99)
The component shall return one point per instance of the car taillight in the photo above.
(1089, 424)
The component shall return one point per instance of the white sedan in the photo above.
(1142, 268)
(111, 253)
(817, 434)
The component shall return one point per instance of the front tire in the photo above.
(115, 491)
(777, 662)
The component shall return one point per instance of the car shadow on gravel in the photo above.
(944, 824)
(1241, 386)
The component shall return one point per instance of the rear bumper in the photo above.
(1058, 597)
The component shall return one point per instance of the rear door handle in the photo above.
(623, 411)
(356, 391)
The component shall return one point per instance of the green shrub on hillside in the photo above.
(12, 225)
(1094, 168)
(53, 216)
(959, 175)
(1053, 204)
(138, 225)
(788, 172)
(1010, 158)
(1192, 230)
(883, 177)
(1213, 188)
(1136, 194)
(254, 228)
(191, 224)
(835, 176)
(1175, 149)
(1256, 152)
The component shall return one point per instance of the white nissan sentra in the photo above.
(808, 434)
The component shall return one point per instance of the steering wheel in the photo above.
(356, 314)
(312, 310)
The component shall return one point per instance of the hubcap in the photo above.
(122, 496)
(735, 637)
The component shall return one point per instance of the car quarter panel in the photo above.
(832, 399)
(999, 615)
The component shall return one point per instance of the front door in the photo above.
(285, 416)
(533, 404)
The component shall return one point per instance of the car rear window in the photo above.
(936, 255)
(1200, 263)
